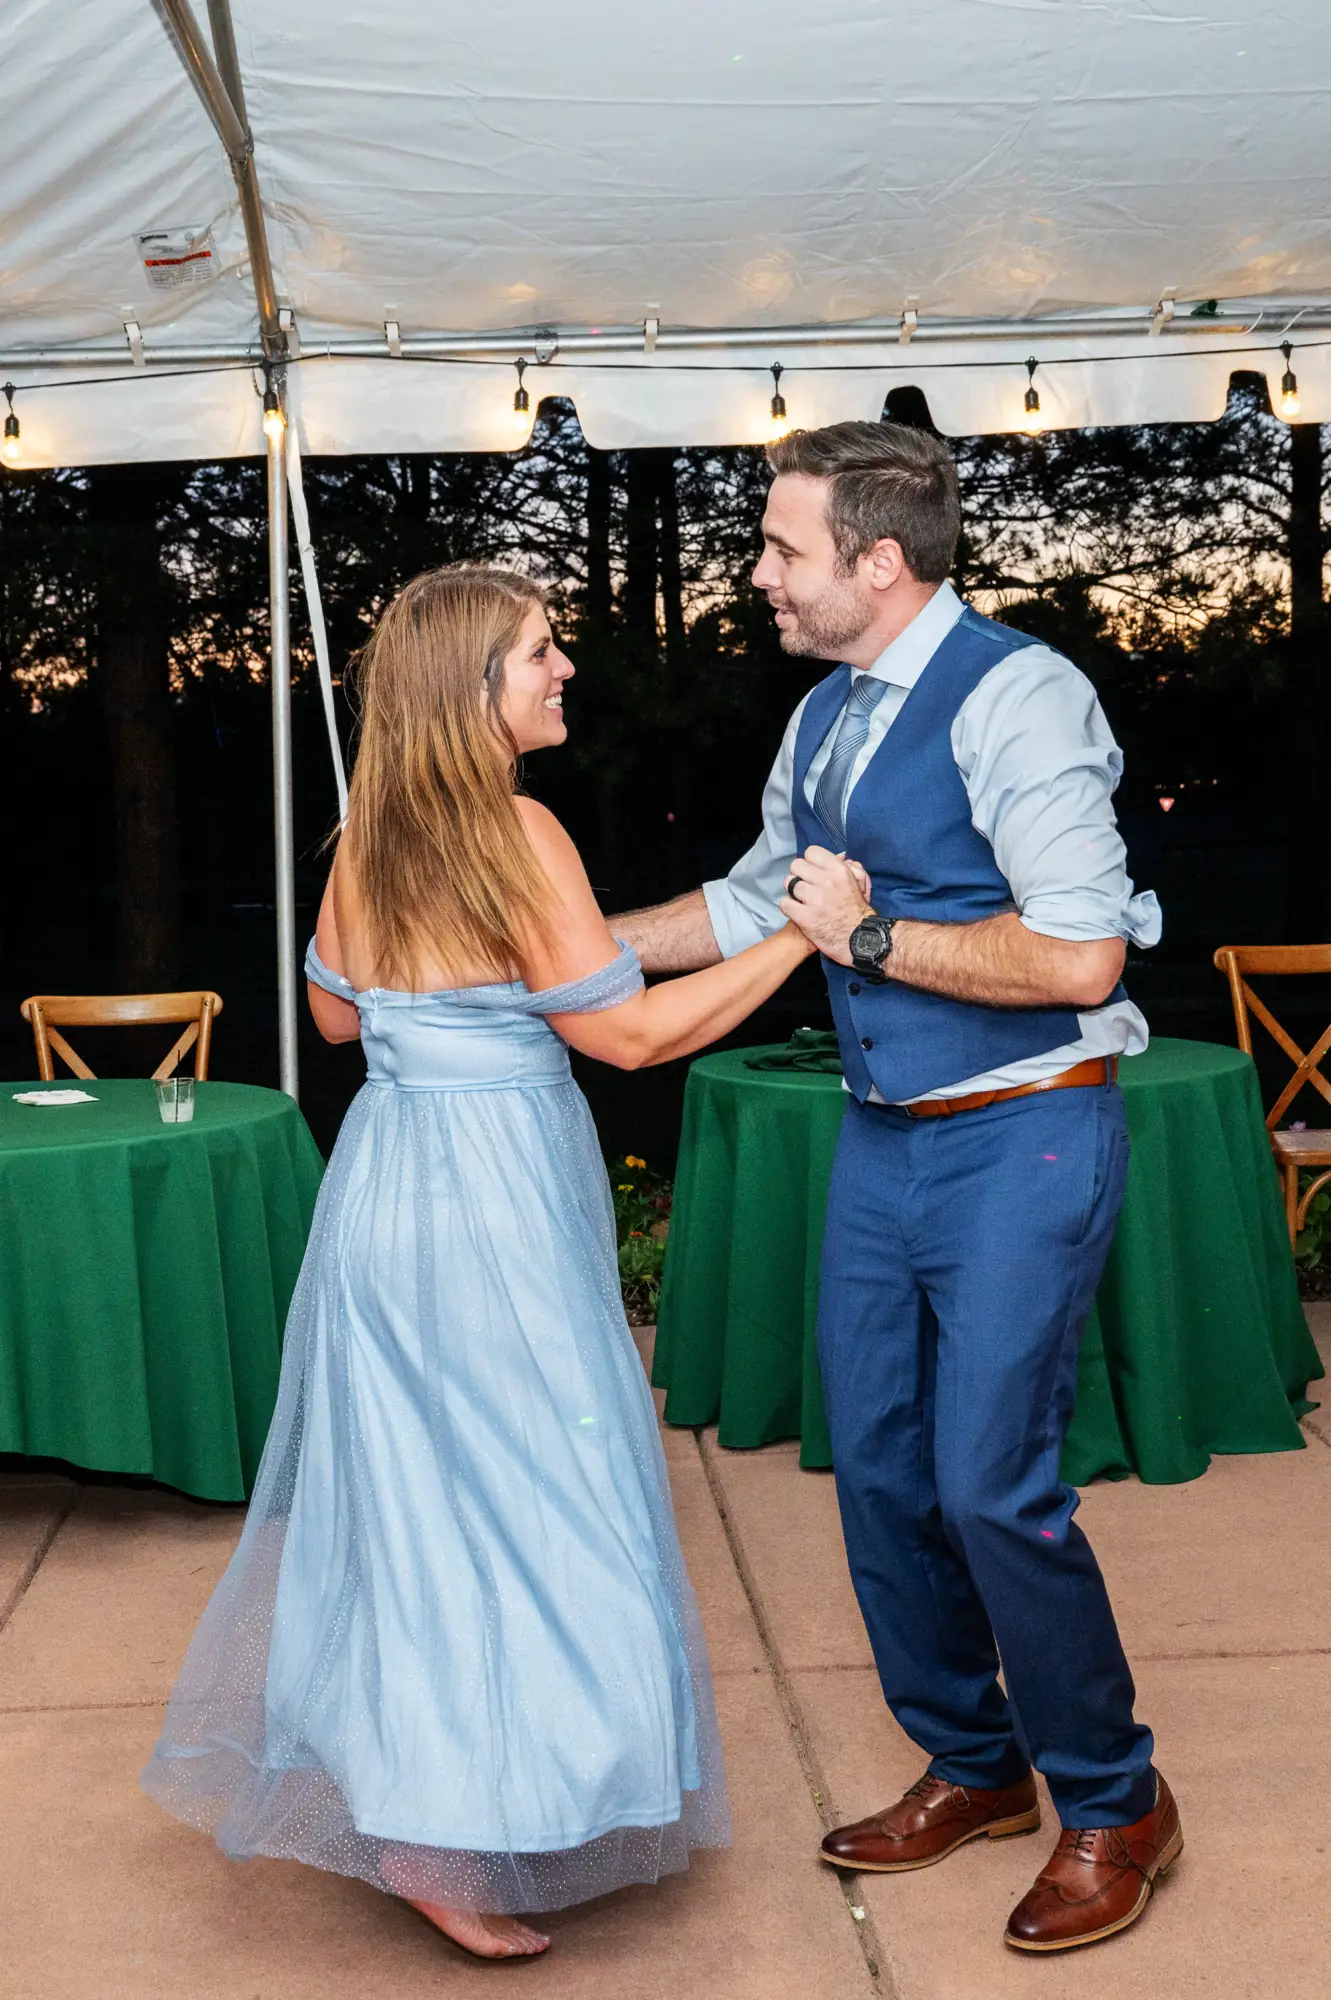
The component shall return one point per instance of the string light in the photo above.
(1289, 386)
(11, 447)
(1031, 421)
(274, 420)
(780, 421)
(521, 401)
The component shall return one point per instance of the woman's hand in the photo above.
(795, 934)
(861, 875)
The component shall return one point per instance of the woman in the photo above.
(456, 1652)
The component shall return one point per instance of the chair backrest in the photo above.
(49, 1012)
(1236, 961)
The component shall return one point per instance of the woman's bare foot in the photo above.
(485, 1937)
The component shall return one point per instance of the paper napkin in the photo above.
(53, 1097)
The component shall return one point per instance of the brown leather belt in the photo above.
(1096, 1069)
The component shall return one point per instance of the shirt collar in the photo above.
(910, 652)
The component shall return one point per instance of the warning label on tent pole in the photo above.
(176, 257)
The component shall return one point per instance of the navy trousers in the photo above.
(959, 1266)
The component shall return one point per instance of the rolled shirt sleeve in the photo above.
(743, 904)
(1040, 766)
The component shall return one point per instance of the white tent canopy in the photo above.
(657, 204)
(383, 217)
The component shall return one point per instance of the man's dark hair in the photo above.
(886, 482)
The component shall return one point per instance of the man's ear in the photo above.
(884, 563)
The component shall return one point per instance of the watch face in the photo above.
(870, 940)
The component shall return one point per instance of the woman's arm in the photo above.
(672, 1019)
(336, 1020)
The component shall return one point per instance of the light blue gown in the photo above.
(458, 1624)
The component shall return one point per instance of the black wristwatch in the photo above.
(870, 945)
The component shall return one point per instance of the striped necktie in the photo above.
(829, 801)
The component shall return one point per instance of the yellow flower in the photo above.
(623, 1187)
(631, 1160)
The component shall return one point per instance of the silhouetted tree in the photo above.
(128, 506)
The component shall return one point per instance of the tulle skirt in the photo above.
(456, 1652)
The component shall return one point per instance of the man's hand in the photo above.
(995, 961)
(830, 899)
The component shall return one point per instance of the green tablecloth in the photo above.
(145, 1274)
(1198, 1343)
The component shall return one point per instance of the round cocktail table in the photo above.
(1198, 1343)
(145, 1274)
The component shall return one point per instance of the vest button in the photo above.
(866, 1042)
(854, 986)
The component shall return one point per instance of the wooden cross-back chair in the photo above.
(47, 1013)
(1293, 1150)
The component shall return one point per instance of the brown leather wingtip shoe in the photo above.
(928, 1823)
(1098, 1881)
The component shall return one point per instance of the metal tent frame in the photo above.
(217, 78)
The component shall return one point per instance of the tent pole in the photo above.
(225, 56)
(229, 118)
(1128, 328)
(283, 821)
(218, 83)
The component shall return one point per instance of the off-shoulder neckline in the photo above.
(437, 992)
(454, 992)
(404, 993)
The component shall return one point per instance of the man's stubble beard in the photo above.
(827, 625)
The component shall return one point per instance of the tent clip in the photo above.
(651, 328)
(910, 320)
(546, 342)
(393, 335)
(134, 335)
(1164, 310)
(286, 321)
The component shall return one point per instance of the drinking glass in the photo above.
(175, 1100)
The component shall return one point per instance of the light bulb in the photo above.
(777, 407)
(1030, 422)
(521, 401)
(274, 422)
(1289, 396)
(12, 448)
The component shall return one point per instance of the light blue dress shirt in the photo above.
(1040, 767)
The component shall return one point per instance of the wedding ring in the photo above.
(791, 885)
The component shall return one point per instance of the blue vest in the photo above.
(909, 824)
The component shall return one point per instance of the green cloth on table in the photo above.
(808, 1048)
(145, 1274)
(1198, 1343)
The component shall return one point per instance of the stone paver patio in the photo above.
(1224, 1595)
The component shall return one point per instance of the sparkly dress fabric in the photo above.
(456, 1652)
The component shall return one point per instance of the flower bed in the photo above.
(642, 1223)
(1312, 1252)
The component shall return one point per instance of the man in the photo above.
(973, 946)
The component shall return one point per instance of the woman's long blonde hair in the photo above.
(438, 854)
